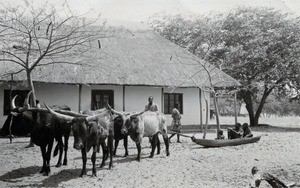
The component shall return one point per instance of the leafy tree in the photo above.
(38, 37)
(258, 47)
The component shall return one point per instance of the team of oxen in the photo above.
(91, 129)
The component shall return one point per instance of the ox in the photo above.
(18, 127)
(145, 124)
(90, 132)
(44, 130)
(118, 123)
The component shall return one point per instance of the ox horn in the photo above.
(58, 115)
(26, 102)
(114, 111)
(137, 114)
(97, 116)
(13, 104)
(71, 113)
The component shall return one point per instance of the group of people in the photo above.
(240, 131)
(176, 117)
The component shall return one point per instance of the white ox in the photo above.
(145, 124)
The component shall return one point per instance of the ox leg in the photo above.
(104, 153)
(116, 146)
(60, 146)
(66, 148)
(139, 148)
(153, 145)
(158, 145)
(43, 150)
(84, 158)
(48, 158)
(166, 140)
(94, 172)
(110, 148)
(125, 142)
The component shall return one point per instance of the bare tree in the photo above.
(36, 37)
(213, 79)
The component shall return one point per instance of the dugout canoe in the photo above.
(226, 142)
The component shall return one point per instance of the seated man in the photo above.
(247, 131)
(220, 135)
(236, 132)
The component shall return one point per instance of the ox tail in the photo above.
(55, 150)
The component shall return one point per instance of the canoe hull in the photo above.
(228, 142)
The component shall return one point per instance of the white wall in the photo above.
(2, 117)
(136, 97)
(191, 105)
(58, 94)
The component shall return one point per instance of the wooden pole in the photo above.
(79, 97)
(201, 114)
(206, 119)
(217, 112)
(235, 109)
(123, 97)
(10, 98)
(162, 100)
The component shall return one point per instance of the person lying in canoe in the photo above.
(236, 132)
(247, 131)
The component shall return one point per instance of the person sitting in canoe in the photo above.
(220, 135)
(247, 131)
(236, 132)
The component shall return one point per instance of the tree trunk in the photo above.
(262, 103)
(254, 117)
(31, 87)
(249, 106)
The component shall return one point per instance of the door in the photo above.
(100, 98)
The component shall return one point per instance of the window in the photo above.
(101, 97)
(19, 100)
(170, 99)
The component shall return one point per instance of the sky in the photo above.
(141, 10)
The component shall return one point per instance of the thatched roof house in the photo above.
(132, 58)
(140, 57)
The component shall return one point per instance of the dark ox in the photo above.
(145, 124)
(90, 132)
(118, 124)
(44, 129)
(19, 127)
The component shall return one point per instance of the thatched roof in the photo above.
(134, 57)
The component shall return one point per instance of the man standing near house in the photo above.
(151, 106)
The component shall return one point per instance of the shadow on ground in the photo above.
(15, 175)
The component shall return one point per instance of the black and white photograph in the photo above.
(150, 93)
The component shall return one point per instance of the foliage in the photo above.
(258, 47)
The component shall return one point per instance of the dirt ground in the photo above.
(189, 165)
